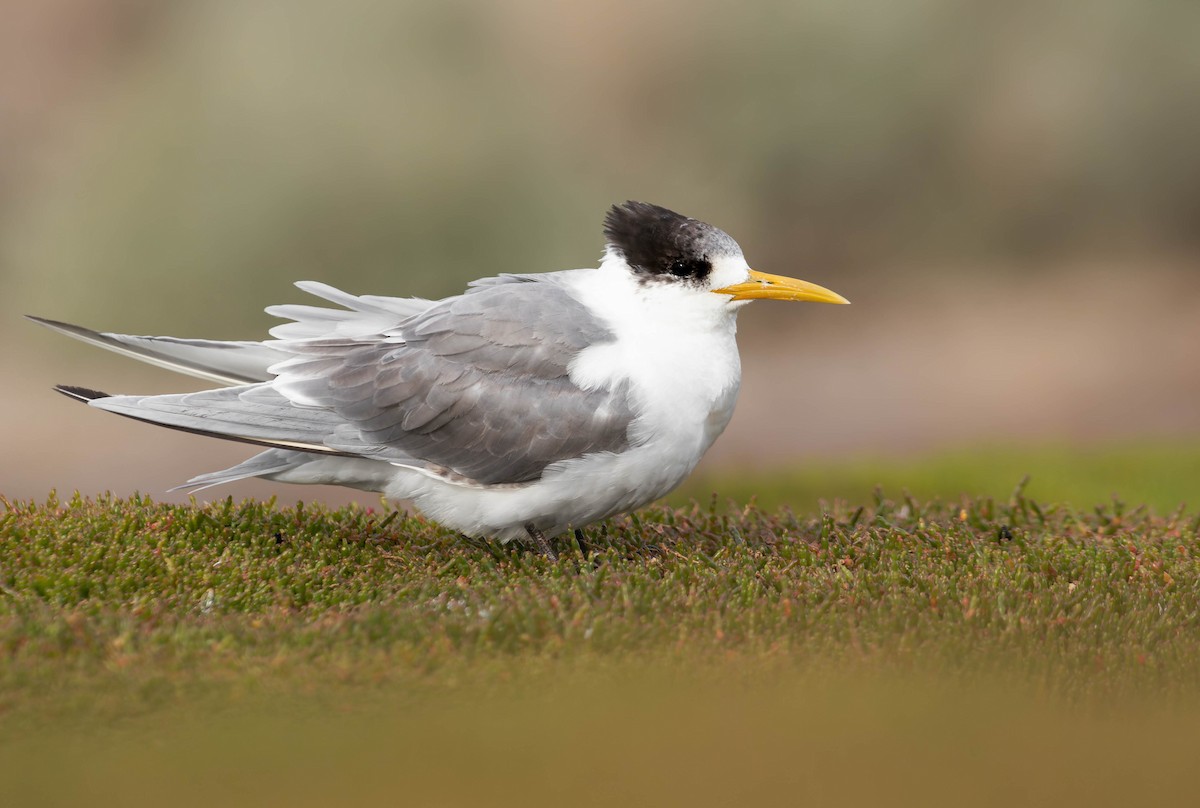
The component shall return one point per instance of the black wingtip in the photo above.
(79, 393)
(46, 321)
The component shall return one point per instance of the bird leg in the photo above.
(481, 544)
(582, 542)
(543, 544)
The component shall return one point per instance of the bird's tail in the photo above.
(236, 363)
(226, 363)
(287, 466)
(251, 413)
(272, 461)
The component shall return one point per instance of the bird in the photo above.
(525, 407)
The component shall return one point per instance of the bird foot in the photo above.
(543, 544)
(582, 542)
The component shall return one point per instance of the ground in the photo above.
(984, 650)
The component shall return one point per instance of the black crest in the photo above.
(661, 243)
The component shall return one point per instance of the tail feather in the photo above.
(360, 315)
(227, 363)
(234, 363)
(289, 466)
(272, 461)
(246, 408)
(248, 414)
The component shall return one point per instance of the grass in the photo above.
(984, 650)
(144, 645)
(1162, 475)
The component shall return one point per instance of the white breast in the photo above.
(675, 349)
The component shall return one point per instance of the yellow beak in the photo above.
(762, 286)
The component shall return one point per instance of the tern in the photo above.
(525, 407)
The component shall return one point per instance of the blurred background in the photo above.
(1009, 193)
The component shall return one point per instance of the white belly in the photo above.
(683, 396)
(572, 493)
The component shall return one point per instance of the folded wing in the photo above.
(475, 387)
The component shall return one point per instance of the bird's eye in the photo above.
(681, 268)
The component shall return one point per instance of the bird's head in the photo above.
(660, 246)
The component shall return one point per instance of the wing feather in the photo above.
(229, 363)
(476, 386)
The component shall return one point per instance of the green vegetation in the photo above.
(707, 653)
(249, 633)
(1161, 475)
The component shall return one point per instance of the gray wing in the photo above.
(476, 386)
